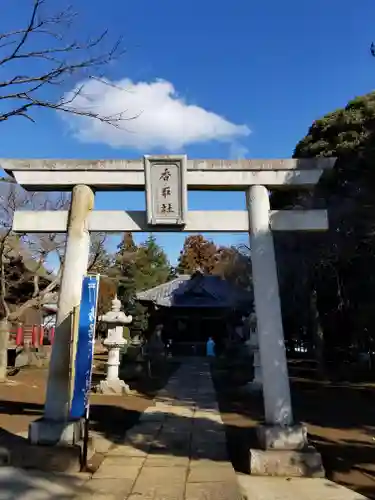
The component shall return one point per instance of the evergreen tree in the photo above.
(125, 272)
(139, 268)
(327, 279)
(125, 265)
(153, 267)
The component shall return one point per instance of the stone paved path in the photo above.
(176, 452)
(277, 488)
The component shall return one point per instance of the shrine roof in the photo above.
(197, 291)
(162, 294)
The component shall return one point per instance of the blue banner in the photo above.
(81, 379)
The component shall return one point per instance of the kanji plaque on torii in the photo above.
(166, 188)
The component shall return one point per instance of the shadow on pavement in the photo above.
(28, 485)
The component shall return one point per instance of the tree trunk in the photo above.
(317, 335)
(4, 338)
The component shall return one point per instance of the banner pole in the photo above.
(91, 349)
(73, 351)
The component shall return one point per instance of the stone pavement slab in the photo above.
(107, 489)
(114, 460)
(163, 460)
(127, 450)
(213, 491)
(276, 488)
(160, 483)
(117, 470)
(36, 485)
(201, 472)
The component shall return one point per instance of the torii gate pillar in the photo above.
(276, 393)
(55, 426)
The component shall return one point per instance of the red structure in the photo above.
(33, 335)
(51, 334)
(41, 335)
(19, 335)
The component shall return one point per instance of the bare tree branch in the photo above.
(25, 34)
(66, 60)
(35, 301)
(24, 279)
(100, 259)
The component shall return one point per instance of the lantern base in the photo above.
(113, 387)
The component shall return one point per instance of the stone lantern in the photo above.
(115, 321)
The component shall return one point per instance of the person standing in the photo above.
(210, 347)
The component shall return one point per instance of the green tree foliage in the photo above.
(125, 271)
(139, 267)
(125, 268)
(152, 265)
(331, 276)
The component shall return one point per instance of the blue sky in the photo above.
(267, 67)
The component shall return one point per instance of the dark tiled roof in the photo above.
(198, 291)
(162, 295)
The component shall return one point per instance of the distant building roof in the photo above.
(204, 291)
(162, 295)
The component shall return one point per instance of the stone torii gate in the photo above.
(84, 177)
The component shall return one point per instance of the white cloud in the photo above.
(238, 151)
(164, 120)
